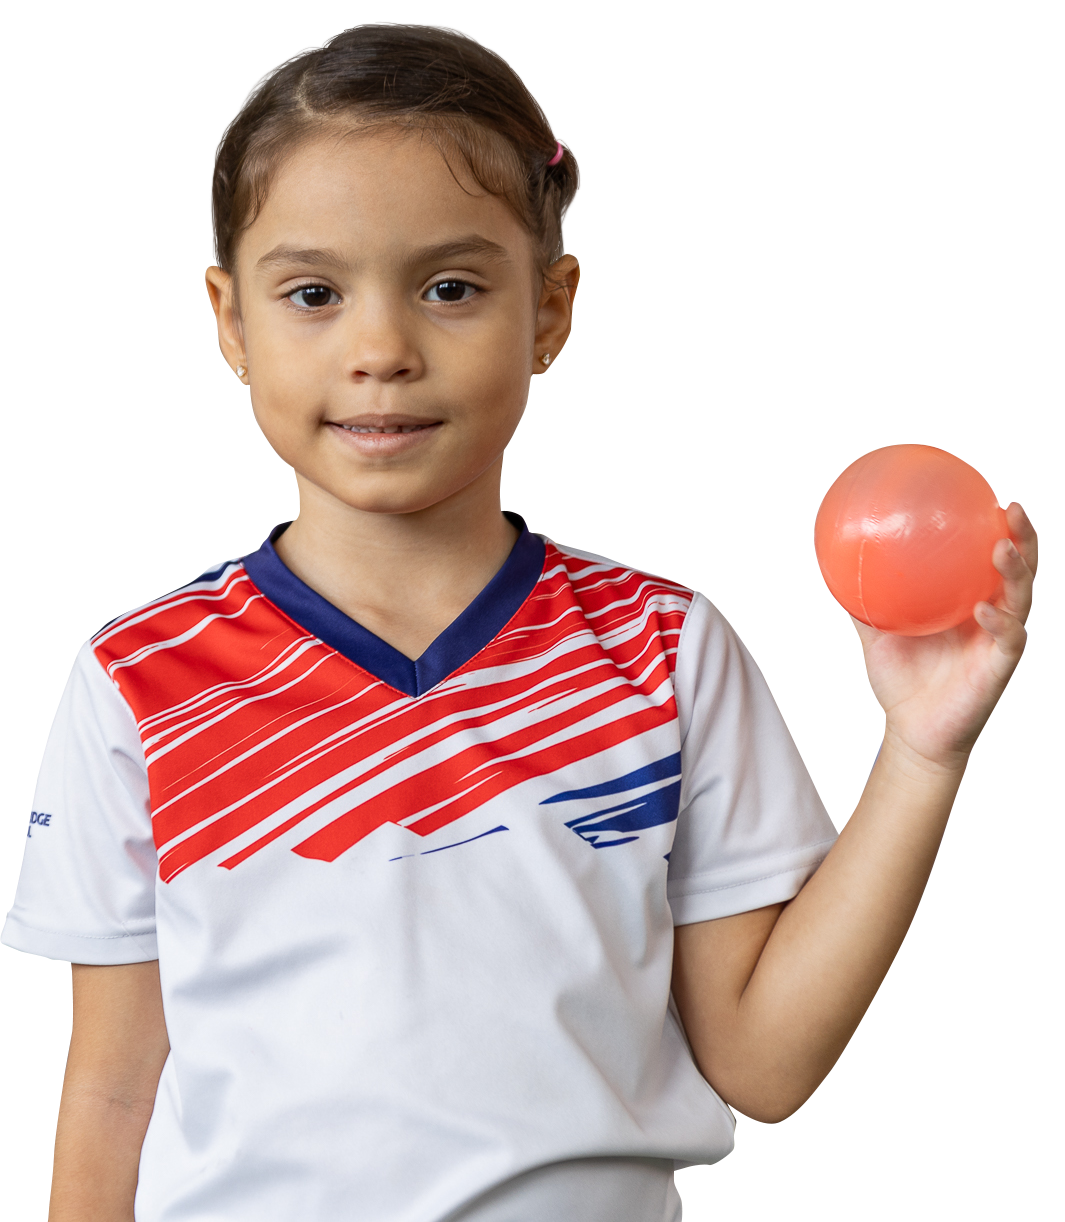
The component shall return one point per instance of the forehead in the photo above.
(375, 194)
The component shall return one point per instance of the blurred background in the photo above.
(112, 147)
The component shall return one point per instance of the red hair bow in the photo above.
(33, 242)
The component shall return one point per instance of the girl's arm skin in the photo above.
(770, 998)
(131, 570)
(117, 1050)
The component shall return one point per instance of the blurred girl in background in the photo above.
(78, 544)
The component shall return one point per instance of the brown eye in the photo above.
(451, 290)
(313, 297)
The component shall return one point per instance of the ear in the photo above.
(638, 374)
(555, 313)
(222, 292)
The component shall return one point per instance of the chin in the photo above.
(393, 500)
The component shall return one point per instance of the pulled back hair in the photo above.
(460, 95)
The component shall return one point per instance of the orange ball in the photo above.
(904, 540)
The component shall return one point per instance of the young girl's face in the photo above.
(389, 316)
(39, 362)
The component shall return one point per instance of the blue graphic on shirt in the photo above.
(440, 848)
(614, 825)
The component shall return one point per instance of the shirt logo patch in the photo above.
(654, 799)
(40, 819)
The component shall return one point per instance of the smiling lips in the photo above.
(384, 436)
(391, 428)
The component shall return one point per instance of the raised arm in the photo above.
(117, 1050)
(770, 998)
(895, 412)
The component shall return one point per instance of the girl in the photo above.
(368, 847)
(78, 544)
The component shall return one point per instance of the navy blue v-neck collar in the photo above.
(464, 637)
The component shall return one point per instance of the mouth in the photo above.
(391, 428)
(384, 436)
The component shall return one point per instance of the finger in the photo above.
(1023, 533)
(1017, 579)
(1008, 631)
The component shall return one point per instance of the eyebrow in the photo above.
(291, 256)
(473, 244)
(444, 252)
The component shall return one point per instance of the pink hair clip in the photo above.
(558, 154)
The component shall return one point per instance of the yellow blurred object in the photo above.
(541, 519)
(673, 71)
(930, 986)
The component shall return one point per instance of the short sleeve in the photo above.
(117, 494)
(751, 828)
(87, 888)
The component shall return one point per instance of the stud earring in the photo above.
(546, 358)
(241, 371)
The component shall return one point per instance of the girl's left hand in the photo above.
(938, 691)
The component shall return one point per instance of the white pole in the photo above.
(154, 414)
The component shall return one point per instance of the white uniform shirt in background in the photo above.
(639, 482)
(49, 543)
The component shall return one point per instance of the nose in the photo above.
(381, 344)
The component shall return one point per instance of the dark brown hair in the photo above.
(464, 97)
(59, 284)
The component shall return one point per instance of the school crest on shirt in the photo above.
(39, 572)
(726, 548)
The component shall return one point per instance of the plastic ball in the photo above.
(904, 540)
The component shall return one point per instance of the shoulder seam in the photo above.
(595, 558)
(116, 689)
(154, 604)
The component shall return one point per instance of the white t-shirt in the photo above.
(639, 482)
(414, 920)
(49, 541)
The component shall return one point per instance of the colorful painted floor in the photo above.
(972, 951)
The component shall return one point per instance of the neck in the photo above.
(16, 471)
(404, 576)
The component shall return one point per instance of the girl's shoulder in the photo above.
(583, 564)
